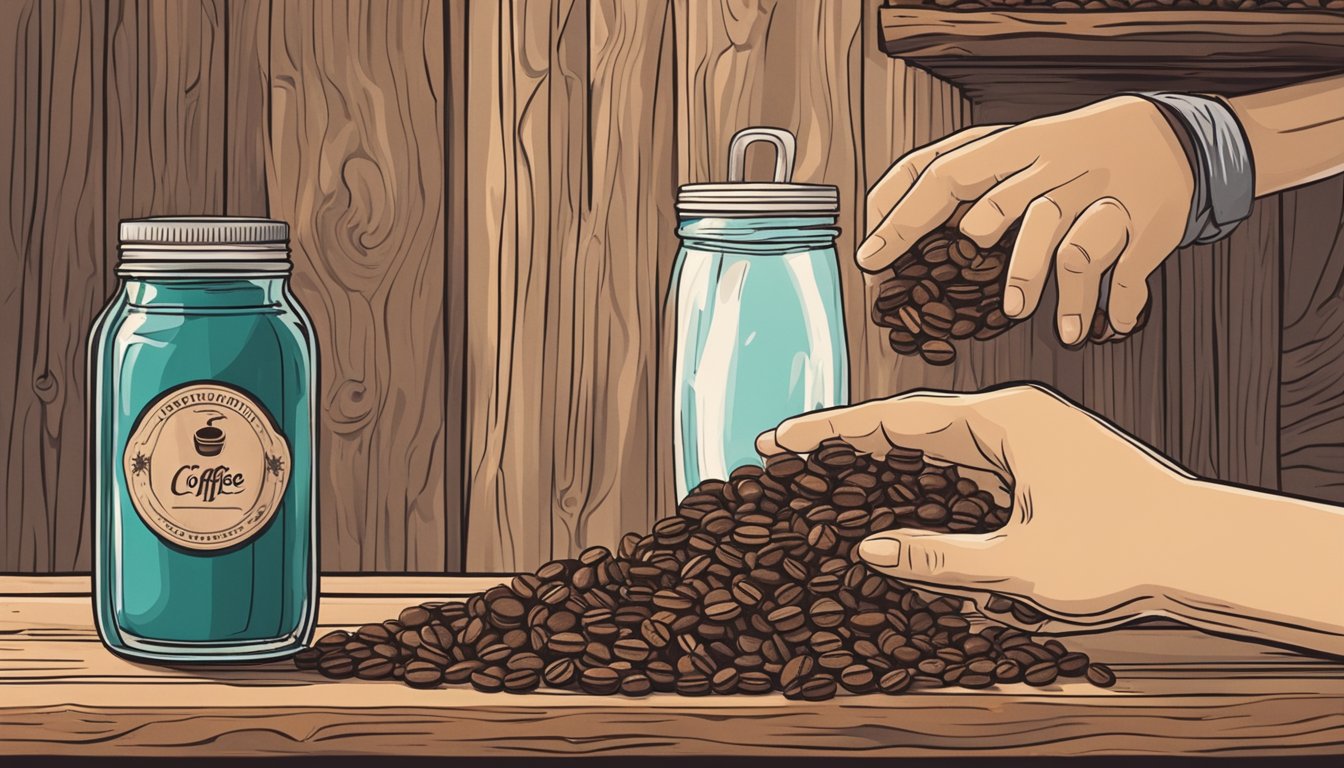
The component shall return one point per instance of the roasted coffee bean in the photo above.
(1100, 675)
(858, 678)
(488, 679)
(374, 668)
(636, 684)
(757, 585)
(1041, 673)
(818, 688)
(693, 684)
(1007, 671)
(896, 681)
(422, 674)
(1073, 664)
(946, 286)
(308, 658)
(561, 673)
(336, 664)
(600, 681)
(521, 680)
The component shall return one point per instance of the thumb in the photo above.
(960, 560)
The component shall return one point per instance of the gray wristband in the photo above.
(1223, 169)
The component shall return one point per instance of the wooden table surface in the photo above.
(1179, 692)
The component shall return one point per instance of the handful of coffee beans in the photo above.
(755, 585)
(948, 288)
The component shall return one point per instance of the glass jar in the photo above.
(202, 375)
(760, 332)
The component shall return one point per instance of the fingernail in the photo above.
(1070, 328)
(887, 554)
(1013, 301)
(870, 248)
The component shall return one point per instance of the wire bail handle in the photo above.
(785, 148)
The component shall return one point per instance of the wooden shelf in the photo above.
(1180, 692)
(1061, 58)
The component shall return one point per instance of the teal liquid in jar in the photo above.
(202, 374)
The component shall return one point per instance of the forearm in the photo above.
(1271, 568)
(1296, 133)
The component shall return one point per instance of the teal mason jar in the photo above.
(202, 375)
(760, 333)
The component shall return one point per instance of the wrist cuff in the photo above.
(1222, 165)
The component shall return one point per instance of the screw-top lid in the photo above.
(780, 197)
(203, 245)
(204, 230)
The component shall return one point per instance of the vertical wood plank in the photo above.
(357, 127)
(1222, 341)
(609, 291)
(902, 108)
(51, 252)
(1311, 397)
(165, 105)
(454, 285)
(509, 429)
(247, 97)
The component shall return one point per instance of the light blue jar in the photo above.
(203, 376)
(760, 332)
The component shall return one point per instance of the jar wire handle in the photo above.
(785, 147)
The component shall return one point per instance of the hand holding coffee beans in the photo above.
(755, 585)
(947, 288)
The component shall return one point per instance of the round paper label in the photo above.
(205, 466)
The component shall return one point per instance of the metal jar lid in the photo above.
(202, 246)
(780, 197)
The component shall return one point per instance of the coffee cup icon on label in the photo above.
(209, 440)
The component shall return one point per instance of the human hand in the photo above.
(1090, 507)
(1103, 193)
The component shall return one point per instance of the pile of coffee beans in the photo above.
(755, 585)
(1128, 5)
(948, 288)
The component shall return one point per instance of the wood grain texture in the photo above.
(508, 426)
(51, 256)
(1311, 398)
(608, 451)
(995, 53)
(1179, 693)
(357, 129)
(569, 212)
(455, 287)
(247, 112)
(165, 109)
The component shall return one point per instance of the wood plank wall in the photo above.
(481, 199)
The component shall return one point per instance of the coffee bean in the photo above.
(1073, 664)
(858, 678)
(754, 682)
(1041, 673)
(826, 613)
(636, 684)
(337, 665)
(895, 681)
(600, 681)
(756, 585)
(488, 679)
(1007, 671)
(308, 658)
(946, 286)
(818, 688)
(1100, 675)
(374, 668)
(561, 673)
(693, 684)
